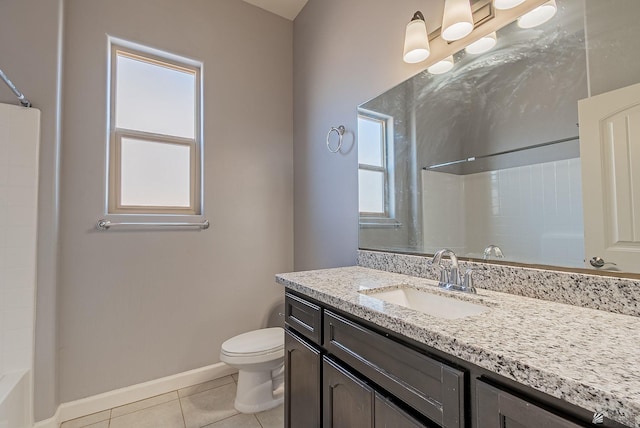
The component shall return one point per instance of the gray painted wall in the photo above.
(136, 306)
(349, 51)
(30, 55)
(345, 52)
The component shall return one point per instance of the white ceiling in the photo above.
(286, 8)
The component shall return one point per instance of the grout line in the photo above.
(184, 421)
(259, 423)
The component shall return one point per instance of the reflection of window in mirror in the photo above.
(375, 181)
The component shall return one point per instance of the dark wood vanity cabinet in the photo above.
(500, 409)
(388, 415)
(303, 382)
(431, 387)
(341, 374)
(345, 372)
(347, 401)
(350, 402)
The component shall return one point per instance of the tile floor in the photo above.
(207, 405)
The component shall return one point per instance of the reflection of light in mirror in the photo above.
(457, 21)
(539, 15)
(441, 67)
(482, 45)
(506, 4)
(416, 41)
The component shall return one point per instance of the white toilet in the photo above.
(259, 357)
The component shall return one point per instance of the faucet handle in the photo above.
(467, 284)
(444, 275)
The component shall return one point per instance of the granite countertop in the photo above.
(587, 357)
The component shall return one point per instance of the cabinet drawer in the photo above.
(429, 386)
(304, 317)
(498, 408)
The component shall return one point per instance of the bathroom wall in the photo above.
(30, 54)
(258, 85)
(345, 52)
(139, 305)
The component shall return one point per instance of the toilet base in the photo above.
(255, 391)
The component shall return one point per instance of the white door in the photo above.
(610, 154)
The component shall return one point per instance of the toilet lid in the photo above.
(255, 342)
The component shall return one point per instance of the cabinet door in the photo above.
(348, 402)
(388, 415)
(499, 409)
(303, 385)
(432, 388)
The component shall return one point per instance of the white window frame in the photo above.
(387, 218)
(153, 56)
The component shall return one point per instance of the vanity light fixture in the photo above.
(457, 21)
(539, 15)
(506, 4)
(441, 67)
(416, 40)
(483, 44)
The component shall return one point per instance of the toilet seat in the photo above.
(264, 344)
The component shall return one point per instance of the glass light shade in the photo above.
(506, 4)
(416, 42)
(457, 21)
(482, 45)
(441, 67)
(539, 15)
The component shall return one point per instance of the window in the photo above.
(374, 180)
(155, 138)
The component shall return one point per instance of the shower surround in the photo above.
(19, 144)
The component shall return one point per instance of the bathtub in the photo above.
(15, 400)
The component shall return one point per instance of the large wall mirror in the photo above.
(488, 154)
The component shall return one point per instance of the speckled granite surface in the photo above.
(619, 295)
(587, 357)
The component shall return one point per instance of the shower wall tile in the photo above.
(19, 140)
(533, 212)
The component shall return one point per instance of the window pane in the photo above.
(154, 98)
(155, 174)
(371, 191)
(370, 140)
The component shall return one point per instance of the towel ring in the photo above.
(340, 131)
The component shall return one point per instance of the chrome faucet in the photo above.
(450, 278)
(493, 249)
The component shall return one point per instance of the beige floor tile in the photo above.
(143, 404)
(87, 420)
(190, 390)
(273, 418)
(103, 424)
(166, 415)
(209, 406)
(235, 377)
(237, 421)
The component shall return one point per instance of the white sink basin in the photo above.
(429, 303)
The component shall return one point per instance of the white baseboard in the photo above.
(129, 394)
